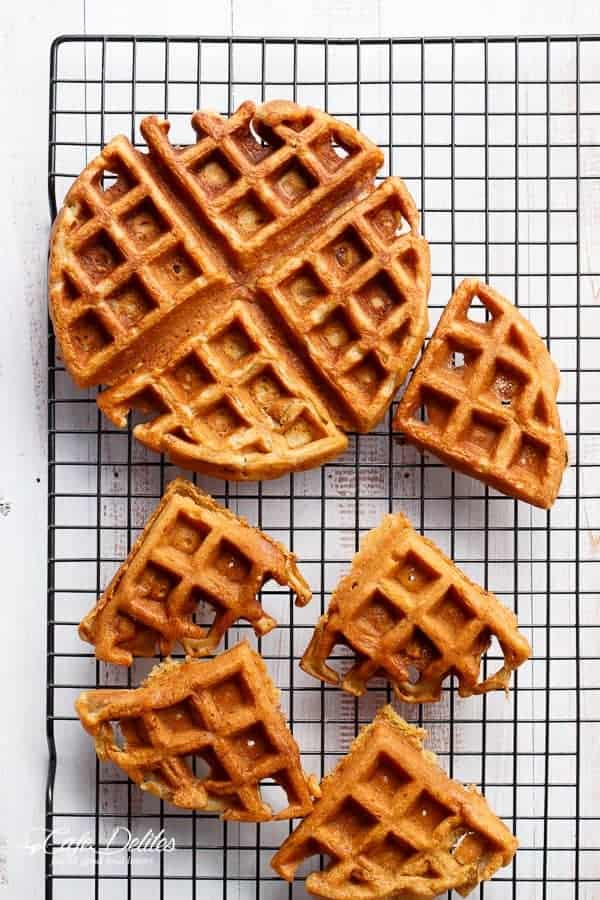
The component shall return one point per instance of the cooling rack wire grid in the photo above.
(499, 142)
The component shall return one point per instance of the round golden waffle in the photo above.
(411, 615)
(483, 398)
(221, 712)
(393, 825)
(255, 294)
(192, 553)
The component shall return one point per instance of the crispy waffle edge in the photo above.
(366, 881)
(543, 490)
(181, 487)
(226, 461)
(376, 545)
(160, 691)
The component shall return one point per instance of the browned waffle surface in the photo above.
(411, 615)
(192, 554)
(254, 293)
(483, 398)
(393, 826)
(222, 714)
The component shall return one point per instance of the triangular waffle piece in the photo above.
(191, 551)
(222, 714)
(483, 398)
(393, 825)
(411, 615)
(256, 298)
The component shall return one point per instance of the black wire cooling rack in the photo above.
(499, 142)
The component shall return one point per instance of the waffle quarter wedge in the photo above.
(222, 713)
(394, 826)
(191, 552)
(256, 298)
(483, 398)
(411, 615)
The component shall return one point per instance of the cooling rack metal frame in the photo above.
(499, 141)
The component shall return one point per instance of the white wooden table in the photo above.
(26, 30)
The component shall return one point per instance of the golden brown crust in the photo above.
(411, 615)
(191, 550)
(394, 826)
(223, 711)
(489, 394)
(257, 300)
